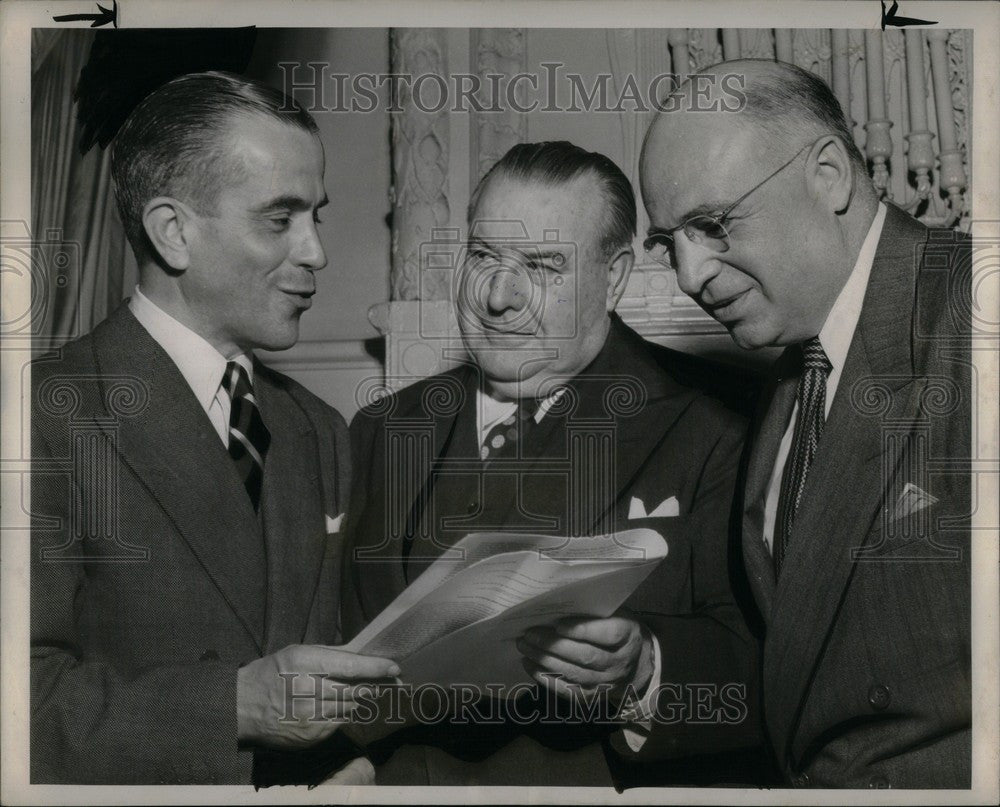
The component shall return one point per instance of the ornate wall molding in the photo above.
(420, 150)
(497, 51)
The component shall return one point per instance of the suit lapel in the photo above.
(846, 485)
(292, 511)
(172, 447)
(444, 420)
(644, 402)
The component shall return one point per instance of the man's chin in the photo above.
(513, 390)
(279, 341)
(747, 337)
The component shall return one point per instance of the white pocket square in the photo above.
(665, 509)
(912, 500)
(333, 524)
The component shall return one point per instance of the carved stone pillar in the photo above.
(497, 52)
(420, 145)
(416, 321)
(879, 145)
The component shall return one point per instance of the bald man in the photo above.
(855, 548)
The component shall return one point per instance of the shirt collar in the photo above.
(201, 365)
(841, 322)
(491, 411)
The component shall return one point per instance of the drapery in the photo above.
(73, 210)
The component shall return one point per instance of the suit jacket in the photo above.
(625, 429)
(867, 654)
(152, 578)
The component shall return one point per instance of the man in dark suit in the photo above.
(857, 493)
(186, 543)
(563, 422)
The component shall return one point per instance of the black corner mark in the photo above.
(889, 17)
(102, 17)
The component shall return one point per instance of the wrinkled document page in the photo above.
(457, 623)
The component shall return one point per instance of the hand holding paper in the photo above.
(262, 697)
(461, 620)
(580, 656)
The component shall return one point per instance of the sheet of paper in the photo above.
(459, 619)
(484, 652)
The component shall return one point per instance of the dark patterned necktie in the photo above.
(809, 423)
(248, 436)
(502, 440)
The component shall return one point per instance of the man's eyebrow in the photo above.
(290, 202)
(529, 250)
(706, 209)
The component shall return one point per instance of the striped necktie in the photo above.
(811, 397)
(248, 436)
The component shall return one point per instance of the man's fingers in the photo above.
(344, 691)
(610, 633)
(321, 707)
(340, 663)
(540, 644)
(559, 684)
(537, 661)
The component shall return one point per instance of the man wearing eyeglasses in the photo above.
(856, 495)
(553, 368)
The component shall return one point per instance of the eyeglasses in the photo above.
(708, 230)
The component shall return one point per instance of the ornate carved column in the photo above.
(879, 145)
(678, 39)
(497, 52)
(840, 73)
(952, 173)
(417, 319)
(920, 155)
(420, 142)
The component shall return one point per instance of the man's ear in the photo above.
(618, 272)
(832, 175)
(165, 220)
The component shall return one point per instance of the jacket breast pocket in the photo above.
(667, 589)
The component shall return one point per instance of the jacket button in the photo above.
(879, 697)
(209, 655)
(801, 780)
(879, 783)
(471, 508)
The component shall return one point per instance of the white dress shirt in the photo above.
(835, 337)
(201, 365)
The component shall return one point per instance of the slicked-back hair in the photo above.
(559, 162)
(174, 143)
(785, 101)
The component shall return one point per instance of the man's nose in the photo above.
(308, 252)
(506, 290)
(696, 265)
